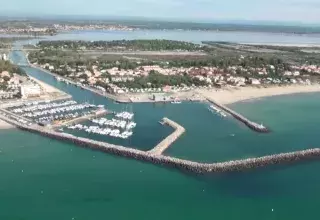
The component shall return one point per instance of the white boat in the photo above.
(223, 114)
(213, 108)
(176, 101)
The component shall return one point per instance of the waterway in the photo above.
(48, 179)
(191, 36)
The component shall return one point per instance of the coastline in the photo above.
(283, 44)
(233, 95)
(224, 96)
(4, 125)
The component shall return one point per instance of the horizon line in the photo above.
(11, 15)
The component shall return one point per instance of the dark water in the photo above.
(47, 179)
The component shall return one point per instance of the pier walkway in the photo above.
(98, 113)
(164, 144)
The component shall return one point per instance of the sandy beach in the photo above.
(232, 95)
(5, 125)
(46, 88)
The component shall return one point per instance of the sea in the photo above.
(48, 179)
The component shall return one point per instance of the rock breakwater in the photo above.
(252, 125)
(186, 165)
(165, 143)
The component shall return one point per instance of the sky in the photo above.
(304, 11)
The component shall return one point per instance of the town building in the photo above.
(29, 89)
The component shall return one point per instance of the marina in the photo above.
(115, 123)
(102, 131)
(119, 127)
(56, 113)
(186, 165)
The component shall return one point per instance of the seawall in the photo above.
(98, 113)
(236, 165)
(252, 125)
(166, 143)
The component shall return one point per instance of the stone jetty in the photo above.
(165, 143)
(252, 125)
(186, 165)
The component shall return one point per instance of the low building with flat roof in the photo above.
(29, 89)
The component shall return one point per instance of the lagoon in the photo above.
(190, 36)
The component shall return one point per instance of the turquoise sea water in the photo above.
(47, 179)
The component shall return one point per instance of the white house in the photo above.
(255, 81)
(29, 89)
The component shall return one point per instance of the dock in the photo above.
(98, 113)
(165, 143)
(250, 124)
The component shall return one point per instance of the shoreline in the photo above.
(298, 45)
(225, 96)
(234, 95)
(5, 125)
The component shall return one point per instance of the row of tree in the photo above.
(58, 57)
(145, 45)
(157, 80)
